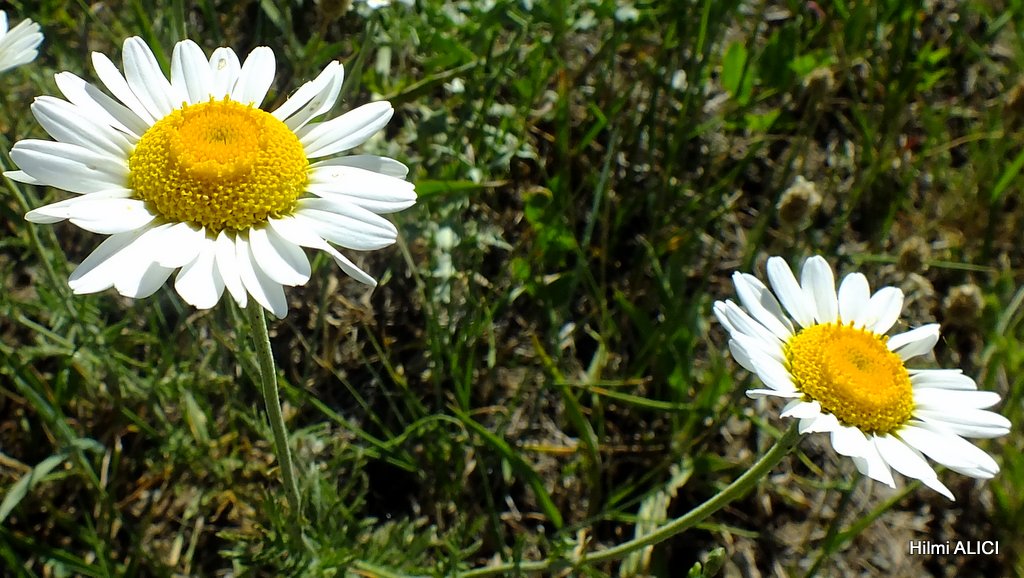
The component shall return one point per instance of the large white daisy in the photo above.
(20, 44)
(191, 175)
(829, 356)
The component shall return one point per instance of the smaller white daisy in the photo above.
(20, 44)
(829, 356)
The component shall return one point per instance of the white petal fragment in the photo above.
(282, 261)
(116, 84)
(100, 107)
(190, 72)
(147, 81)
(312, 98)
(199, 283)
(262, 288)
(884, 309)
(347, 131)
(346, 224)
(819, 285)
(70, 167)
(291, 230)
(68, 123)
(942, 378)
(98, 271)
(950, 450)
(915, 342)
(372, 191)
(372, 163)
(255, 78)
(227, 267)
(224, 70)
(792, 297)
(854, 294)
(762, 305)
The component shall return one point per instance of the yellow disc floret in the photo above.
(853, 375)
(219, 164)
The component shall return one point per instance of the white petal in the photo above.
(908, 462)
(928, 398)
(263, 289)
(139, 275)
(199, 283)
(255, 78)
(971, 423)
(854, 294)
(70, 167)
(292, 231)
(57, 212)
(792, 297)
(313, 98)
(147, 81)
(282, 261)
(739, 353)
(100, 107)
(762, 305)
(819, 285)
(871, 464)
(950, 450)
(801, 409)
(180, 245)
(346, 131)
(372, 191)
(20, 44)
(373, 163)
(849, 441)
(759, 393)
(942, 378)
(98, 271)
(743, 324)
(118, 86)
(23, 177)
(68, 123)
(224, 69)
(884, 309)
(190, 73)
(345, 224)
(915, 342)
(227, 267)
(107, 216)
(825, 422)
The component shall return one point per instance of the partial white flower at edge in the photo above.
(18, 45)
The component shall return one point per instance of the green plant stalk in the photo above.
(272, 399)
(733, 491)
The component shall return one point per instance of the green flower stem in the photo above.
(733, 491)
(271, 398)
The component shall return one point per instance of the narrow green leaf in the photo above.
(518, 465)
(21, 488)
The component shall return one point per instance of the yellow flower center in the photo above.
(219, 164)
(853, 375)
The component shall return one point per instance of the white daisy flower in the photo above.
(191, 175)
(829, 356)
(20, 44)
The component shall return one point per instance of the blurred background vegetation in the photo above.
(538, 369)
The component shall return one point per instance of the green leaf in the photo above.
(21, 488)
(518, 465)
(737, 76)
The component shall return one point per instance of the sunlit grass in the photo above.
(539, 364)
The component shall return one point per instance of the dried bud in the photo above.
(963, 305)
(914, 255)
(798, 203)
